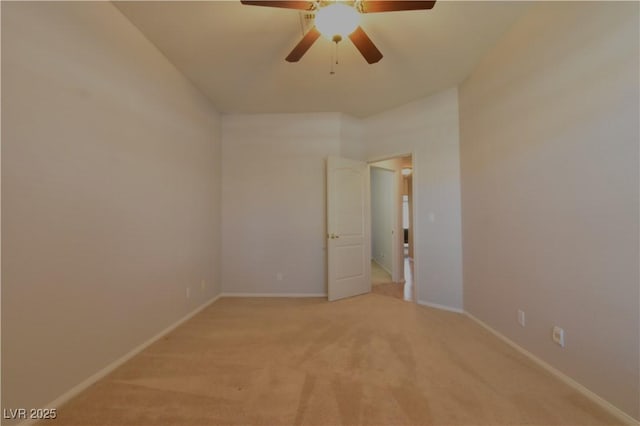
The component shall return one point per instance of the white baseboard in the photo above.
(606, 405)
(441, 307)
(56, 403)
(273, 295)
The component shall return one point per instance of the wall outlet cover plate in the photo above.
(558, 336)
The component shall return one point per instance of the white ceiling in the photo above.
(235, 53)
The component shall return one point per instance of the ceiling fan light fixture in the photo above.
(337, 19)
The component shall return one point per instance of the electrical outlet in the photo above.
(188, 293)
(521, 317)
(279, 276)
(558, 335)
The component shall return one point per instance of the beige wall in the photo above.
(110, 186)
(428, 128)
(274, 201)
(382, 219)
(549, 156)
(395, 263)
(351, 138)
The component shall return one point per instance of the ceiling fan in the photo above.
(336, 19)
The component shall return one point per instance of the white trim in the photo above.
(441, 307)
(118, 362)
(273, 295)
(603, 403)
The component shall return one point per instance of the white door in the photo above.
(349, 264)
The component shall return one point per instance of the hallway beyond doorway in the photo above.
(382, 284)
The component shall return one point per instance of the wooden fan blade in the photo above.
(304, 45)
(364, 44)
(373, 6)
(291, 4)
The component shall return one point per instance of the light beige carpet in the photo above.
(370, 360)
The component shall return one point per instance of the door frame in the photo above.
(397, 247)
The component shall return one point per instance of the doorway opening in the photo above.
(392, 227)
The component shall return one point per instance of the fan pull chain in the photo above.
(332, 70)
(336, 62)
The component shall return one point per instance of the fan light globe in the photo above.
(337, 20)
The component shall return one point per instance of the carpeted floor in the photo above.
(370, 360)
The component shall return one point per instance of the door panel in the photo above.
(349, 261)
(349, 268)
